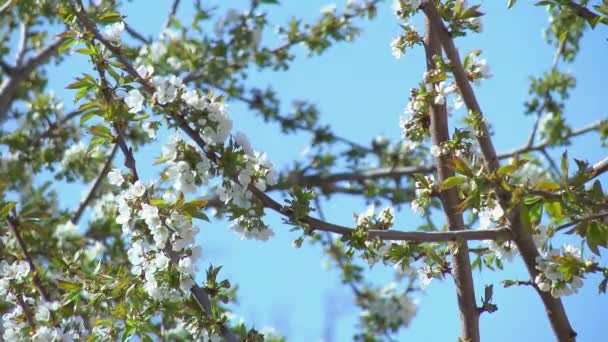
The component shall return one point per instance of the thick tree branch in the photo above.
(14, 227)
(461, 264)
(553, 306)
(22, 49)
(9, 86)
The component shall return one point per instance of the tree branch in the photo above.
(91, 194)
(9, 86)
(461, 264)
(172, 12)
(14, 226)
(553, 306)
(22, 49)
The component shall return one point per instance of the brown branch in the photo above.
(22, 49)
(26, 311)
(580, 10)
(14, 226)
(7, 5)
(133, 33)
(594, 171)
(461, 264)
(553, 306)
(172, 12)
(599, 215)
(9, 86)
(91, 194)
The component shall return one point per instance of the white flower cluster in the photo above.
(16, 271)
(251, 229)
(65, 231)
(506, 250)
(488, 219)
(14, 322)
(397, 47)
(114, 31)
(478, 69)
(73, 154)
(182, 176)
(394, 309)
(401, 7)
(369, 219)
(148, 259)
(423, 195)
(551, 279)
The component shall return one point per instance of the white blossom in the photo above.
(435, 151)
(115, 177)
(135, 101)
(137, 189)
(328, 9)
(167, 88)
(114, 31)
(397, 47)
(66, 231)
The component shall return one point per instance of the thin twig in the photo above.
(172, 12)
(26, 311)
(14, 226)
(133, 33)
(599, 215)
(98, 181)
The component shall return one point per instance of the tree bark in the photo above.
(461, 264)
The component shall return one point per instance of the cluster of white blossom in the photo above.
(182, 175)
(369, 220)
(73, 154)
(65, 231)
(402, 7)
(114, 31)
(423, 195)
(103, 205)
(393, 308)
(171, 233)
(16, 271)
(489, 218)
(478, 69)
(550, 279)
(15, 326)
(185, 330)
(251, 229)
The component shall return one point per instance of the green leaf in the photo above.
(547, 186)
(510, 3)
(451, 182)
(110, 17)
(87, 116)
(596, 236)
(6, 209)
(66, 45)
(564, 165)
(68, 286)
(460, 166)
(524, 216)
(554, 209)
(506, 170)
(101, 131)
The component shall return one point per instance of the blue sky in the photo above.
(361, 91)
